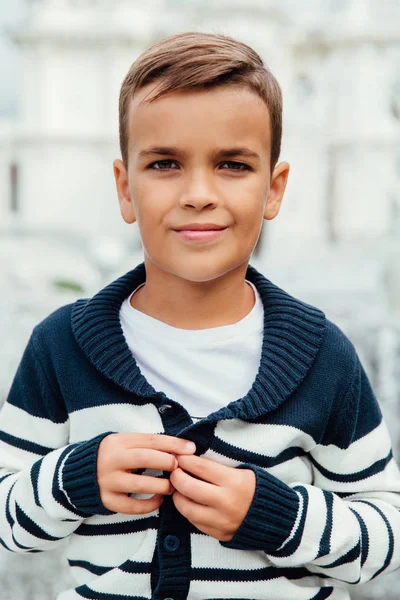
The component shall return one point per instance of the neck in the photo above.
(194, 305)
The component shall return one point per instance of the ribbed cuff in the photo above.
(271, 516)
(79, 478)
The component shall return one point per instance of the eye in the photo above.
(237, 164)
(168, 162)
(160, 162)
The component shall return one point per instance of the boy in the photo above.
(290, 489)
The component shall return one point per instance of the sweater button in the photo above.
(165, 409)
(171, 543)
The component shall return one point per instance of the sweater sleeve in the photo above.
(47, 486)
(346, 525)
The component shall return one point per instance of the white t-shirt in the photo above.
(202, 369)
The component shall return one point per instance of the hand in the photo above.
(218, 502)
(122, 453)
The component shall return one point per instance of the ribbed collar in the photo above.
(293, 332)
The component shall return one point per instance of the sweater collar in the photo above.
(293, 332)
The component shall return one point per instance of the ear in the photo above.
(124, 197)
(276, 190)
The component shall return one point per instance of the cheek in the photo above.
(250, 215)
(150, 206)
(248, 202)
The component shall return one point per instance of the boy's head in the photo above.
(186, 104)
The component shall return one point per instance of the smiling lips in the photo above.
(201, 232)
(200, 227)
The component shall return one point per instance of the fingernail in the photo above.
(190, 446)
(172, 489)
(176, 464)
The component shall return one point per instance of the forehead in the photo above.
(199, 118)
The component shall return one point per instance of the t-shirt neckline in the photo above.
(250, 323)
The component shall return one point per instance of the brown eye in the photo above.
(237, 164)
(161, 162)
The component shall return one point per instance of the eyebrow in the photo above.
(223, 153)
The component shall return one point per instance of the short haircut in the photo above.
(196, 60)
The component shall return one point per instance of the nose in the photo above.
(198, 193)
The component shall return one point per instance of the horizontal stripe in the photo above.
(131, 566)
(349, 573)
(20, 424)
(245, 456)
(122, 418)
(365, 493)
(85, 592)
(296, 469)
(280, 587)
(118, 518)
(224, 460)
(262, 439)
(207, 552)
(24, 501)
(119, 528)
(138, 547)
(358, 455)
(25, 445)
(88, 566)
(31, 527)
(118, 584)
(375, 468)
(348, 557)
(15, 459)
(248, 575)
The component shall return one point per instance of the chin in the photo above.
(202, 273)
(199, 268)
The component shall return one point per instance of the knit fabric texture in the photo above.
(325, 512)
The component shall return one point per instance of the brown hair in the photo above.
(195, 60)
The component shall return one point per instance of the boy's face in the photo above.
(192, 184)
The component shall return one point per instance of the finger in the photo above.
(121, 503)
(200, 491)
(147, 458)
(205, 469)
(141, 484)
(197, 514)
(157, 441)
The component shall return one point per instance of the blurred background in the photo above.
(335, 244)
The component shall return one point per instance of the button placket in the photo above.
(171, 543)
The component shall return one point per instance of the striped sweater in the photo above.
(325, 513)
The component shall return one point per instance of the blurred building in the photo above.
(336, 243)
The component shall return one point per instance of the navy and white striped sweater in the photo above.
(326, 507)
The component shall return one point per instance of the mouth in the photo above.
(200, 235)
(197, 226)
